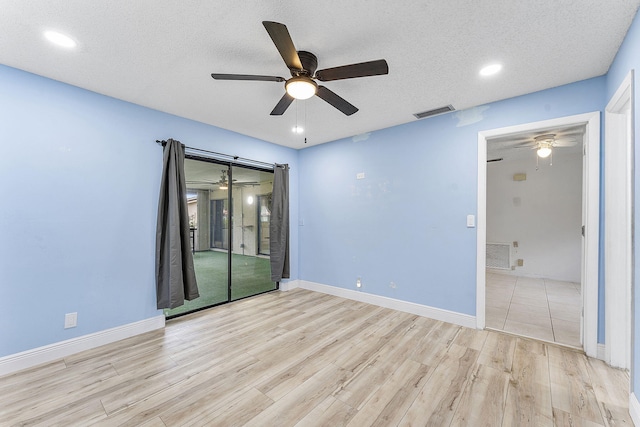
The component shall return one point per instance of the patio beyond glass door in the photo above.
(228, 217)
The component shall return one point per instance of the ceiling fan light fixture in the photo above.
(224, 186)
(301, 87)
(544, 150)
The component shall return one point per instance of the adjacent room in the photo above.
(416, 215)
(534, 240)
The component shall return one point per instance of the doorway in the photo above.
(590, 218)
(225, 227)
(534, 217)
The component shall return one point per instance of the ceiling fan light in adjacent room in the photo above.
(544, 152)
(301, 87)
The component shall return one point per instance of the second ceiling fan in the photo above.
(302, 65)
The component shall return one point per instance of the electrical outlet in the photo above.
(392, 285)
(70, 320)
(520, 262)
(358, 283)
(360, 175)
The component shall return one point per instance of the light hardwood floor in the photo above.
(303, 358)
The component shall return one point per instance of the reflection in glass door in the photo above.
(228, 225)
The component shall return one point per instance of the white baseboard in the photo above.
(634, 409)
(48, 353)
(407, 307)
(601, 352)
(289, 285)
(519, 273)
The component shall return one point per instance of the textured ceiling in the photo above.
(160, 53)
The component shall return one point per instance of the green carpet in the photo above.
(250, 275)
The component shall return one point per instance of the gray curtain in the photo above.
(279, 224)
(175, 275)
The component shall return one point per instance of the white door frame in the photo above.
(591, 218)
(618, 203)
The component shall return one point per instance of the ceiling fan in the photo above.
(544, 144)
(223, 182)
(302, 65)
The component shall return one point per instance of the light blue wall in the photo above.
(79, 182)
(628, 58)
(406, 221)
(79, 176)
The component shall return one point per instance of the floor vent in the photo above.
(434, 112)
(499, 256)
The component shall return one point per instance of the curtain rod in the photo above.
(227, 156)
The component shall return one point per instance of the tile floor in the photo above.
(536, 308)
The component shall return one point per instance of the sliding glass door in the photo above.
(250, 271)
(229, 216)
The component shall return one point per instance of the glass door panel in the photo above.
(207, 202)
(250, 268)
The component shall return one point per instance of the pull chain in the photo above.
(302, 129)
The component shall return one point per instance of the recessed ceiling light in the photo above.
(60, 39)
(297, 129)
(490, 70)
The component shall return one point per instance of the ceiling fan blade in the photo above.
(282, 105)
(528, 144)
(281, 38)
(499, 159)
(363, 69)
(336, 101)
(565, 142)
(218, 76)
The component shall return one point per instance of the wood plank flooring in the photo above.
(300, 358)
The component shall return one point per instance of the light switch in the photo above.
(471, 221)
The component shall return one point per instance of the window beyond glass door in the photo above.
(264, 215)
(219, 224)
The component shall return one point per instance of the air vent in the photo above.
(434, 112)
(499, 256)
